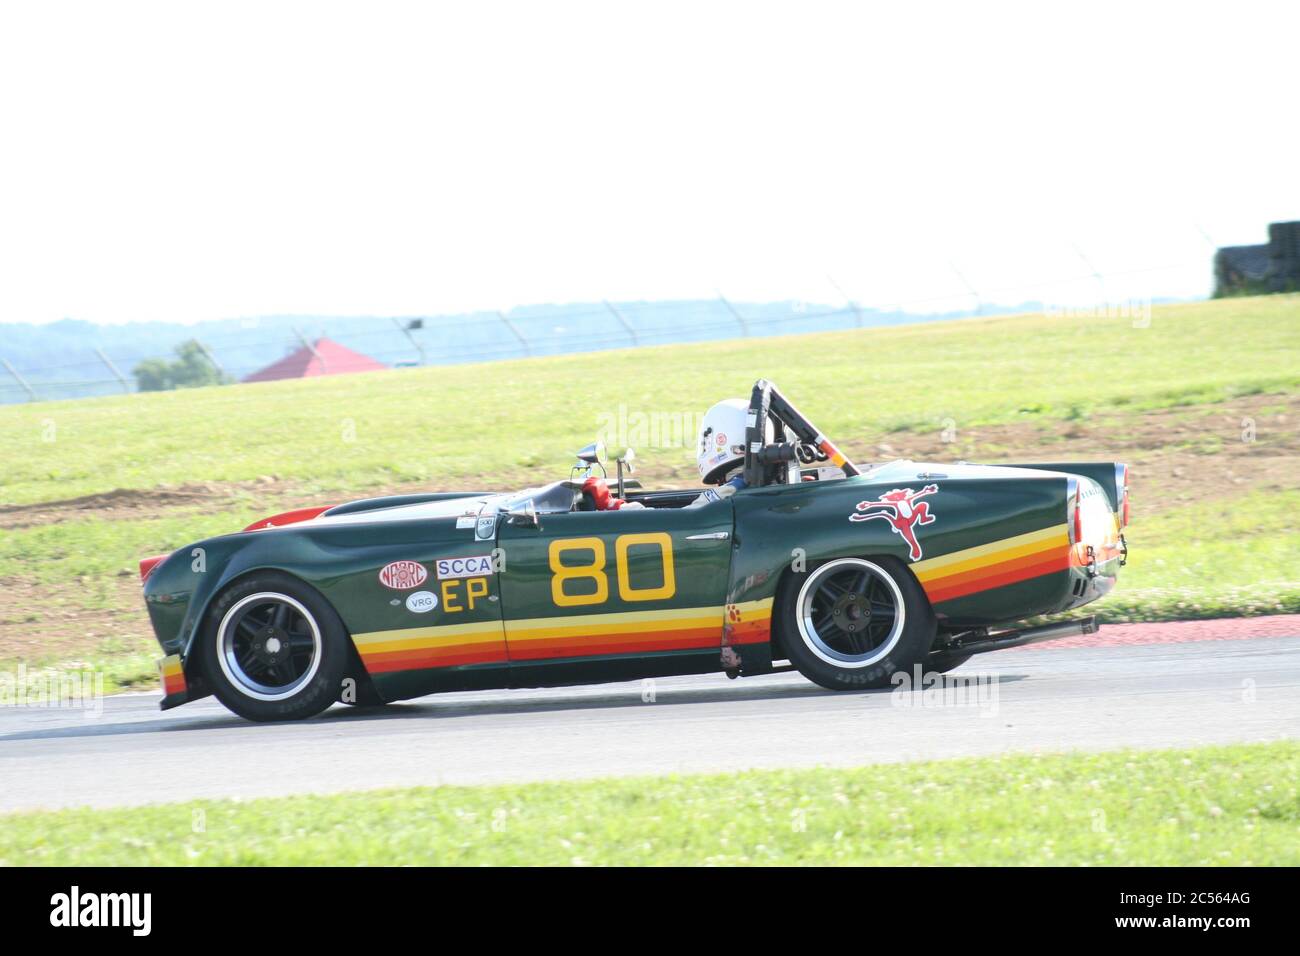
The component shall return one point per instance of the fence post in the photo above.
(528, 350)
(405, 329)
(126, 386)
(207, 353)
(744, 326)
(626, 325)
(309, 347)
(857, 312)
(979, 303)
(1101, 280)
(21, 381)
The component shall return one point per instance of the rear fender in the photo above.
(1112, 476)
(993, 550)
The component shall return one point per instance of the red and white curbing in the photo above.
(1180, 632)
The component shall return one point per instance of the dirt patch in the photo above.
(40, 623)
(132, 502)
(1176, 456)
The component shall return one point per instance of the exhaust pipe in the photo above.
(987, 641)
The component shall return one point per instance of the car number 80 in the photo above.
(595, 569)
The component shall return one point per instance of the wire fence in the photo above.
(103, 358)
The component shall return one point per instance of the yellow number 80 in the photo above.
(595, 570)
(577, 572)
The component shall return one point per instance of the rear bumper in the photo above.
(175, 688)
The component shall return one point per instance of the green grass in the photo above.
(1235, 805)
(1213, 559)
(450, 425)
(504, 424)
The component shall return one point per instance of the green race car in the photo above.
(846, 576)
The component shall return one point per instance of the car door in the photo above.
(615, 594)
(420, 599)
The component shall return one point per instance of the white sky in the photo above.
(185, 161)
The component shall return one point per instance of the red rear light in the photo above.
(1123, 511)
(147, 565)
(1078, 515)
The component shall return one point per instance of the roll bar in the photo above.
(765, 463)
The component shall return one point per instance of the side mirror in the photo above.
(524, 515)
(624, 468)
(593, 454)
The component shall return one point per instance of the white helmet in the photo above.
(722, 439)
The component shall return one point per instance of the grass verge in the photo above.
(1233, 805)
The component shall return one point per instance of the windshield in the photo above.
(555, 498)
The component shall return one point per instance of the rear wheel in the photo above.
(274, 649)
(850, 623)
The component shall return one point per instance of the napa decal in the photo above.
(472, 567)
(403, 575)
(901, 508)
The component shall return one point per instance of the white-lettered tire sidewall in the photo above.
(314, 696)
(913, 645)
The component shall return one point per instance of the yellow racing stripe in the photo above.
(1008, 548)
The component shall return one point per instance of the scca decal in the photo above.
(473, 567)
(402, 575)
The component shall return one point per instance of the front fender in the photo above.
(180, 590)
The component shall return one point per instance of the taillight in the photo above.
(147, 565)
(1123, 508)
(1078, 514)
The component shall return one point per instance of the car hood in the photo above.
(442, 508)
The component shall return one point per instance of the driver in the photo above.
(721, 451)
(720, 456)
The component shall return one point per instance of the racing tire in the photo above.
(272, 648)
(365, 694)
(852, 623)
(943, 663)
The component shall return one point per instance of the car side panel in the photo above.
(457, 644)
(615, 595)
(991, 552)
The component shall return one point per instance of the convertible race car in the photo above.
(845, 575)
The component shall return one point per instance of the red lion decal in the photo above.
(903, 512)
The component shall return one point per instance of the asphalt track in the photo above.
(1166, 694)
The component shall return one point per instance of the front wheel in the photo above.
(274, 649)
(851, 623)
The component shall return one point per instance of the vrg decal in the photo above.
(903, 512)
(421, 602)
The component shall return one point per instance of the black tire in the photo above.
(943, 663)
(273, 648)
(364, 693)
(868, 658)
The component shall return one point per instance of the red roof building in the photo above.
(323, 358)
